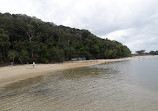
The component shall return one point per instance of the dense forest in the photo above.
(25, 39)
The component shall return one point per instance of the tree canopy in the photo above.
(153, 52)
(26, 39)
(140, 52)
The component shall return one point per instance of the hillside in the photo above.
(26, 39)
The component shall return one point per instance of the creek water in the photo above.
(119, 86)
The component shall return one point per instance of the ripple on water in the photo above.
(102, 87)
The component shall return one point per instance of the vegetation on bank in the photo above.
(153, 52)
(143, 52)
(26, 39)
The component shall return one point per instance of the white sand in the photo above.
(13, 73)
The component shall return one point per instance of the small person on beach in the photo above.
(33, 64)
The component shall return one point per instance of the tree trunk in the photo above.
(13, 61)
(20, 60)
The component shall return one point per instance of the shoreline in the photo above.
(10, 74)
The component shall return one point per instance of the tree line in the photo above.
(25, 39)
(143, 52)
(153, 52)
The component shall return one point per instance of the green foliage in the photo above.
(4, 45)
(153, 52)
(57, 55)
(25, 39)
(24, 56)
(12, 55)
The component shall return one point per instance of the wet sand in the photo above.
(13, 73)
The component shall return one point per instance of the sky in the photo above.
(131, 22)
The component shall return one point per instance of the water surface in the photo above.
(120, 86)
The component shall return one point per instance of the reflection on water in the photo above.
(120, 86)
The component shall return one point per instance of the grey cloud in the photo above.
(132, 22)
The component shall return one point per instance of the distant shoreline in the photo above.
(11, 74)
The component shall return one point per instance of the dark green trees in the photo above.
(153, 52)
(27, 39)
(4, 45)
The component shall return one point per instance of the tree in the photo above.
(95, 50)
(4, 44)
(12, 55)
(153, 52)
(1, 57)
(69, 53)
(58, 55)
(141, 52)
(24, 56)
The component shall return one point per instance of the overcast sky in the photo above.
(131, 22)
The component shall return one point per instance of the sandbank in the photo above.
(11, 74)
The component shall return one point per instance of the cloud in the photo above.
(132, 22)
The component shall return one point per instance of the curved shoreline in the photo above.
(11, 74)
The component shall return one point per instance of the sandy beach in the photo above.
(10, 74)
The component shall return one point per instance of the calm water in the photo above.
(120, 86)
